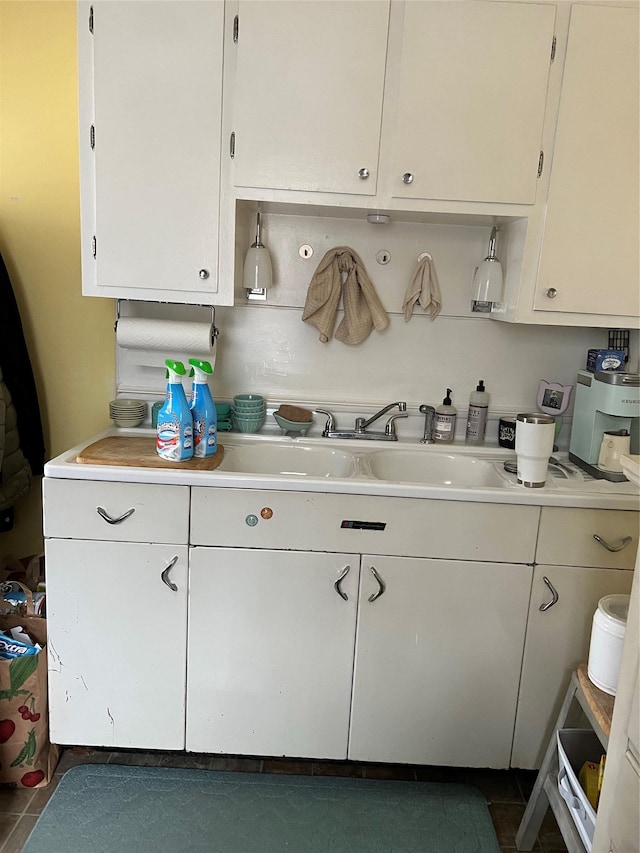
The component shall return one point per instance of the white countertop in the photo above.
(631, 467)
(579, 490)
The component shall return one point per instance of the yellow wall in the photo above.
(70, 337)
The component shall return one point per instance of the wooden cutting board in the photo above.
(140, 452)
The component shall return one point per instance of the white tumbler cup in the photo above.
(534, 446)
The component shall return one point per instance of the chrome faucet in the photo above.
(429, 415)
(361, 425)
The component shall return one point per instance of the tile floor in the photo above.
(506, 791)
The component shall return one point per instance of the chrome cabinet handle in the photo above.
(363, 173)
(554, 595)
(165, 575)
(104, 514)
(552, 292)
(381, 586)
(407, 178)
(337, 586)
(613, 548)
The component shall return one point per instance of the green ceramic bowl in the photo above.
(294, 427)
(249, 403)
(247, 424)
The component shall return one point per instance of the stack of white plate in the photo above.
(127, 413)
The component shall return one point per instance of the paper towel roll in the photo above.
(167, 336)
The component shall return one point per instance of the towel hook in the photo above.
(424, 255)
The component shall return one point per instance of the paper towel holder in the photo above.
(214, 329)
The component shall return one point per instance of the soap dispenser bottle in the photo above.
(203, 410)
(477, 417)
(445, 421)
(174, 439)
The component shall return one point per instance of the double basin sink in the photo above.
(420, 465)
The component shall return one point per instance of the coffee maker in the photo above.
(605, 401)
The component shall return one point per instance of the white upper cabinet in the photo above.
(308, 94)
(459, 90)
(589, 260)
(471, 100)
(150, 132)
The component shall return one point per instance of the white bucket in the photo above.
(607, 640)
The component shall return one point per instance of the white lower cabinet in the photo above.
(581, 556)
(270, 654)
(437, 662)
(280, 663)
(117, 636)
(261, 622)
(558, 640)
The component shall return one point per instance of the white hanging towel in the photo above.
(424, 289)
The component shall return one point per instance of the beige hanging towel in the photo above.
(363, 310)
(424, 289)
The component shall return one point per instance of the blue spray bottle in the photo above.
(175, 425)
(203, 410)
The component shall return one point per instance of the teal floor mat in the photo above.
(108, 808)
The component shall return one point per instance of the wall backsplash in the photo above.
(265, 347)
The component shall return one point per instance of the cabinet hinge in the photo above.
(232, 145)
(94, 245)
(91, 19)
(553, 49)
(236, 29)
(540, 163)
(92, 137)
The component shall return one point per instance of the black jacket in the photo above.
(18, 375)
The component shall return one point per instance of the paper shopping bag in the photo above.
(27, 758)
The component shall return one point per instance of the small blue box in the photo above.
(605, 359)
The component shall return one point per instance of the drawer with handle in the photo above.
(115, 512)
(605, 539)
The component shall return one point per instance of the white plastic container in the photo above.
(477, 417)
(575, 746)
(607, 640)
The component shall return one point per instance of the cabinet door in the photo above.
(308, 94)
(117, 643)
(156, 84)
(437, 665)
(270, 652)
(557, 642)
(471, 100)
(589, 257)
(625, 827)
